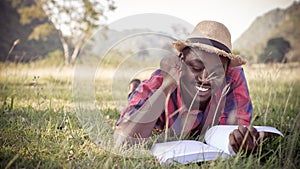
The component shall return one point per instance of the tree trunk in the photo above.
(75, 54)
(65, 48)
(78, 45)
(66, 51)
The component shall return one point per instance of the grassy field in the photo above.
(39, 127)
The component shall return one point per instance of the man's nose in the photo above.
(202, 76)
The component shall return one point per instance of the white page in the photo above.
(186, 151)
(268, 129)
(218, 136)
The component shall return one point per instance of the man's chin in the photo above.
(204, 97)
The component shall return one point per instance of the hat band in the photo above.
(210, 42)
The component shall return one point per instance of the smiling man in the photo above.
(202, 86)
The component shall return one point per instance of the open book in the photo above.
(217, 145)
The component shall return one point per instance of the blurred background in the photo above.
(56, 31)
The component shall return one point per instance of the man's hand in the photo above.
(170, 65)
(244, 138)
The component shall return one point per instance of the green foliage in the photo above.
(11, 30)
(275, 23)
(235, 52)
(79, 19)
(38, 27)
(91, 14)
(32, 12)
(41, 31)
(275, 50)
(53, 59)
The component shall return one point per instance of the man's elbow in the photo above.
(121, 137)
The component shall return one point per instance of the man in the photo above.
(204, 85)
(134, 83)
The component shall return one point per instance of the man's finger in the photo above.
(238, 136)
(233, 143)
(247, 143)
(242, 130)
(254, 134)
(253, 131)
(250, 135)
(265, 135)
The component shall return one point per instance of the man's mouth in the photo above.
(202, 89)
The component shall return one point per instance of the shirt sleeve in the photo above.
(141, 94)
(238, 107)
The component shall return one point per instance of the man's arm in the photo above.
(238, 108)
(144, 108)
(130, 126)
(147, 103)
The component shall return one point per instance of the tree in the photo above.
(77, 18)
(275, 50)
(16, 44)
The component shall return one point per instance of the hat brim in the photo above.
(235, 60)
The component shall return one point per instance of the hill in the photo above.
(276, 23)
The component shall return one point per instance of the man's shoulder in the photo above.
(235, 74)
(155, 78)
(234, 70)
(157, 72)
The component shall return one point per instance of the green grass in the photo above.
(39, 127)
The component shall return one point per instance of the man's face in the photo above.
(197, 75)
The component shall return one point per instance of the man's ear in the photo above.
(225, 62)
(180, 56)
(228, 63)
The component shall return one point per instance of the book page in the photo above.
(186, 151)
(218, 136)
(268, 129)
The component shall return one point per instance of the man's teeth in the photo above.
(201, 89)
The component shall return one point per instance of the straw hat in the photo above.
(212, 37)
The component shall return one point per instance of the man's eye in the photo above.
(197, 69)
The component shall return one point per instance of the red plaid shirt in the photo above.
(238, 106)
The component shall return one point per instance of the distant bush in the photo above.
(52, 59)
(275, 50)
